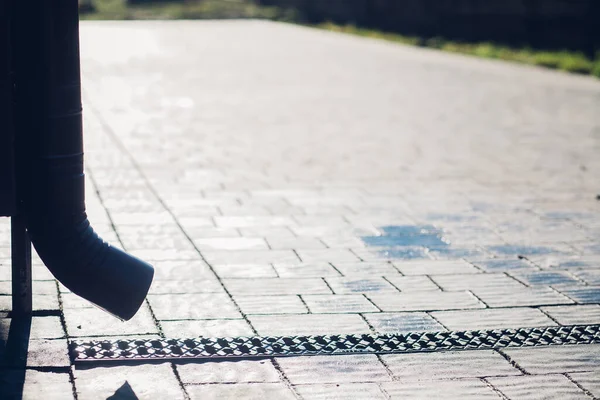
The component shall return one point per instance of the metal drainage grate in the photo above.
(281, 346)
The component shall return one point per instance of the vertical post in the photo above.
(21, 267)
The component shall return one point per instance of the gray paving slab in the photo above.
(575, 315)
(557, 359)
(403, 322)
(257, 371)
(357, 391)
(30, 384)
(308, 324)
(537, 387)
(451, 364)
(207, 328)
(250, 391)
(334, 369)
(95, 322)
(450, 389)
(589, 381)
(140, 381)
(502, 318)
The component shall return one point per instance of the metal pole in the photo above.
(21, 268)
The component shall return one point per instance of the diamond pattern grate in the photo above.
(281, 346)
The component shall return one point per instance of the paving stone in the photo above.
(257, 371)
(565, 262)
(350, 285)
(546, 278)
(308, 324)
(186, 286)
(449, 364)
(342, 241)
(306, 270)
(450, 389)
(410, 240)
(245, 271)
(250, 256)
(528, 296)
(412, 283)
(41, 302)
(149, 381)
(537, 387)
(322, 230)
(261, 231)
(583, 294)
(253, 221)
(366, 269)
(504, 265)
(519, 250)
(196, 233)
(242, 211)
(31, 384)
(239, 243)
(393, 254)
(37, 353)
(46, 328)
(454, 254)
(326, 219)
(206, 328)
(493, 319)
(157, 255)
(338, 303)
(425, 301)
(96, 322)
(355, 391)
(403, 322)
(575, 315)
(491, 281)
(182, 270)
(141, 218)
(590, 276)
(435, 267)
(276, 286)
(296, 243)
(557, 359)
(250, 391)
(271, 304)
(588, 380)
(37, 287)
(193, 306)
(157, 241)
(40, 328)
(328, 255)
(196, 222)
(334, 369)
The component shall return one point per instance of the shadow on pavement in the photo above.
(125, 392)
(14, 345)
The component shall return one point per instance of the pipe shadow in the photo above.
(14, 346)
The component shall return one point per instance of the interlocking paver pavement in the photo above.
(285, 180)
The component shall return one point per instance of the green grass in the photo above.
(205, 9)
(569, 61)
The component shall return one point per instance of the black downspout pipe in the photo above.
(51, 176)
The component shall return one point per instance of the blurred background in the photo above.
(561, 34)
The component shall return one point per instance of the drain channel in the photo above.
(285, 346)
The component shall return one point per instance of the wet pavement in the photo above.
(287, 181)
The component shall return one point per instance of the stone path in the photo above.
(290, 181)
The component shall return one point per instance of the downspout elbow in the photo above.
(50, 140)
